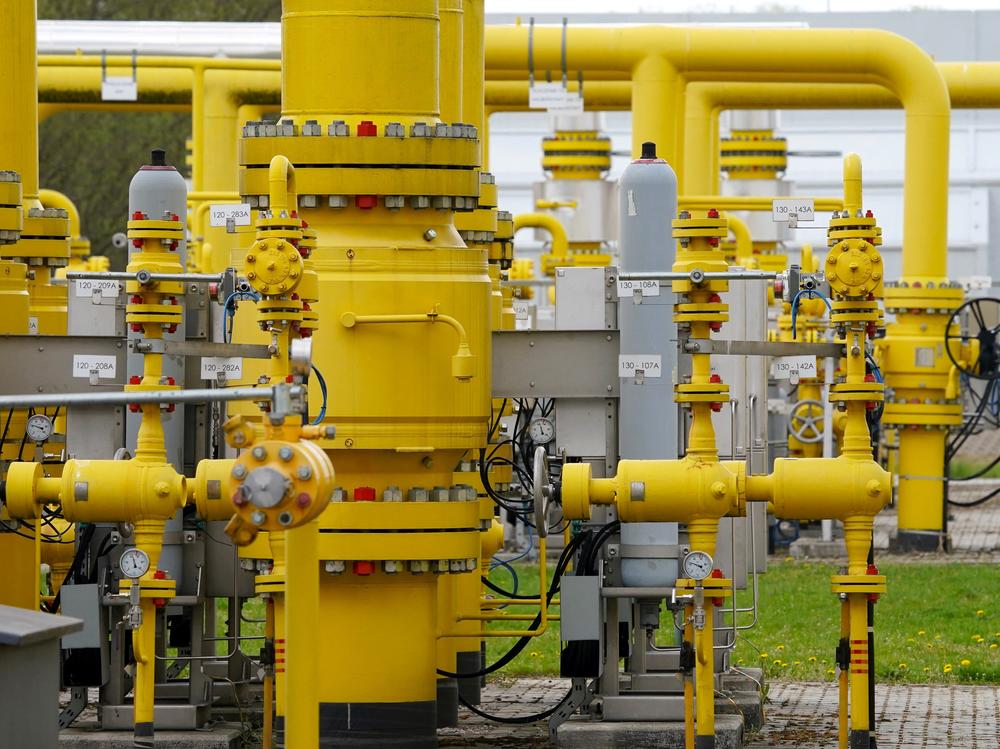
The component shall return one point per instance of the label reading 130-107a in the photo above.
(651, 365)
(648, 288)
(85, 364)
(230, 366)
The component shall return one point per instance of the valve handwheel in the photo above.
(983, 321)
(541, 491)
(805, 421)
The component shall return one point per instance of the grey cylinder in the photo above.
(647, 427)
(156, 190)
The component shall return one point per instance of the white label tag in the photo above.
(651, 365)
(554, 98)
(801, 208)
(84, 364)
(976, 283)
(108, 288)
(222, 213)
(648, 288)
(230, 366)
(32, 326)
(521, 311)
(802, 367)
(119, 89)
(923, 356)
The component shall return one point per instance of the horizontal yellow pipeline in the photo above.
(659, 58)
(560, 241)
(750, 203)
(500, 617)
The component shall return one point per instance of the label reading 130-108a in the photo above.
(651, 365)
(648, 288)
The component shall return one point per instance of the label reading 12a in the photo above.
(230, 366)
(220, 214)
(651, 365)
(648, 288)
(84, 364)
(521, 311)
(782, 367)
(32, 326)
(108, 288)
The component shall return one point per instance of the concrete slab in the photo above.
(743, 680)
(89, 736)
(588, 734)
(816, 548)
(748, 704)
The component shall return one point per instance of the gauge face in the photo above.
(134, 563)
(541, 431)
(39, 428)
(698, 565)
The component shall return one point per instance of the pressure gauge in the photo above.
(38, 428)
(542, 431)
(698, 565)
(134, 563)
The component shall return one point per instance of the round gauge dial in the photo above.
(698, 565)
(542, 431)
(134, 563)
(38, 428)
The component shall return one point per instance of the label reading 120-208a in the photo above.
(85, 364)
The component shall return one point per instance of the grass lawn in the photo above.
(960, 468)
(938, 623)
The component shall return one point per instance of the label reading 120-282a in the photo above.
(651, 365)
(230, 366)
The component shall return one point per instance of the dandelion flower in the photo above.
(993, 646)
(980, 613)
(780, 648)
(910, 640)
(947, 668)
(927, 669)
(830, 671)
(812, 658)
(966, 663)
(796, 663)
(903, 666)
(923, 632)
(763, 656)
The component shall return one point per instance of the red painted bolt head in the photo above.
(367, 129)
(238, 499)
(716, 407)
(715, 378)
(137, 243)
(136, 299)
(363, 568)
(172, 328)
(135, 380)
(171, 407)
(171, 381)
(305, 333)
(303, 500)
(869, 214)
(713, 241)
(289, 378)
(138, 216)
(133, 408)
(715, 326)
(715, 298)
(159, 575)
(713, 212)
(364, 494)
(137, 327)
(366, 202)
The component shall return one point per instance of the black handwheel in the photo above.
(978, 315)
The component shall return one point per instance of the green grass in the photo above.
(936, 624)
(960, 468)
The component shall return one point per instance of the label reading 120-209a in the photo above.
(89, 286)
(85, 364)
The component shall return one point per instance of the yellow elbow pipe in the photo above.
(741, 234)
(281, 186)
(55, 199)
(560, 242)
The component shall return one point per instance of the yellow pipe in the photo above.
(560, 241)
(281, 180)
(55, 199)
(749, 203)
(268, 728)
(689, 682)
(842, 678)
(741, 234)
(653, 55)
(19, 94)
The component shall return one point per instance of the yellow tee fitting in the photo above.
(676, 491)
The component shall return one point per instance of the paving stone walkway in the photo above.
(799, 716)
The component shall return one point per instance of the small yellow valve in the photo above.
(273, 266)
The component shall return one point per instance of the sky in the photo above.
(726, 6)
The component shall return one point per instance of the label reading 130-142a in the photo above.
(651, 365)
(804, 367)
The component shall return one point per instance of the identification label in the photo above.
(782, 209)
(803, 367)
(521, 311)
(108, 288)
(84, 364)
(219, 215)
(119, 89)
(648, 288)
(32, 326)
(230, 366)
(651, 365)
(552, 97)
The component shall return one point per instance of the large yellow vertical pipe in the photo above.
(473, 83)
(656, 88)
(19, 93)
(302, 634)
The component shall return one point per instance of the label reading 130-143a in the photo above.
(230, 366)
(651, 365)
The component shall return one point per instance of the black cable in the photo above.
(81, 552)
(24, 437)
(497, 589)
(974, 503)
(496, 424)
(522, 642)
(520, 719)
